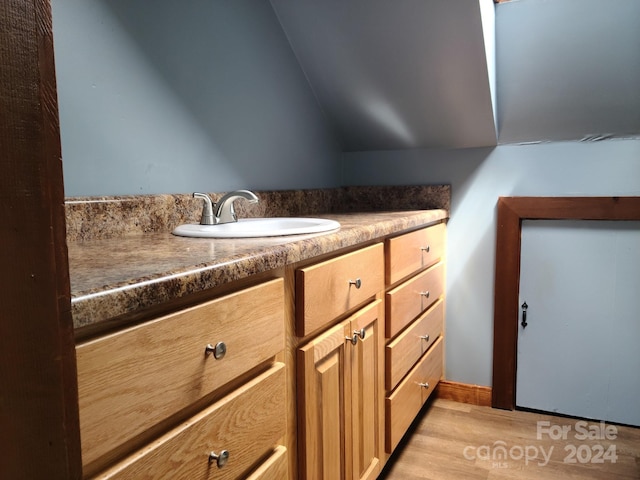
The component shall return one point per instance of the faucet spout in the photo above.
(225, 213)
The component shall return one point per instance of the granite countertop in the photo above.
(124, 263)
(112, 277)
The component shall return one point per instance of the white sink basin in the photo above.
(258, 227)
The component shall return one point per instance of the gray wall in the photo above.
(398, 74)
(566, 70)
(165, 96)
(478, 177)
(207, 95)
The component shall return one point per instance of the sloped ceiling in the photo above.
(396, 74)
(568, 70)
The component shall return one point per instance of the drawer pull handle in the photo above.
(221, 458)
(424, 385)
(356, 333)
(218, 351)
(425, 337)
(425, 294)
(426, 249)
(357, 282)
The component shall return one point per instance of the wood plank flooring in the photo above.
(459, 441)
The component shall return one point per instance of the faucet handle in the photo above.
(207, 209)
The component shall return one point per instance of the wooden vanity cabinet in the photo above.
(138, 380)
(404, 402)
(409, 299)
(339, 399)
(326, 290)
(239, 429)
(337, 365)
(273, 468)
(340, 378)
(406, 348)
(410, 252)
(414, 325)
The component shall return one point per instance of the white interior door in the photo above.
(579, 353)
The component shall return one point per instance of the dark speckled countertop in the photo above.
(118, 275)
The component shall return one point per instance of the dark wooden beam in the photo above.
(38, 399)
(507, 278)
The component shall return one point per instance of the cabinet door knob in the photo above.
(218, 351)
(425, 337)
(221, 458)
(357, 282)
(424, 385)
(356, 333)
(425, 294)
(426, 249)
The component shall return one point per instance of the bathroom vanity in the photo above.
(291, 357)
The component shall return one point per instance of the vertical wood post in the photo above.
(39, 432)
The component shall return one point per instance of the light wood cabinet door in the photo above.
(367, 373)
(340, 381)
(323, 399)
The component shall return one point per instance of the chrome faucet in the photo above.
(225, 213)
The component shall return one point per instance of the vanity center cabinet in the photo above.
(340, 371)
(378, 353)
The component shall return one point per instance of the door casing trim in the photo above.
(511, 212)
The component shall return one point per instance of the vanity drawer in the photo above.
(409, 299)
(414, 251)
(248, 423)
(328, 289)
(405, 402)
(133, 379)
(274, 468)
(404, 351)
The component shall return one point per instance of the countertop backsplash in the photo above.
(123, 259)
(91, 218)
